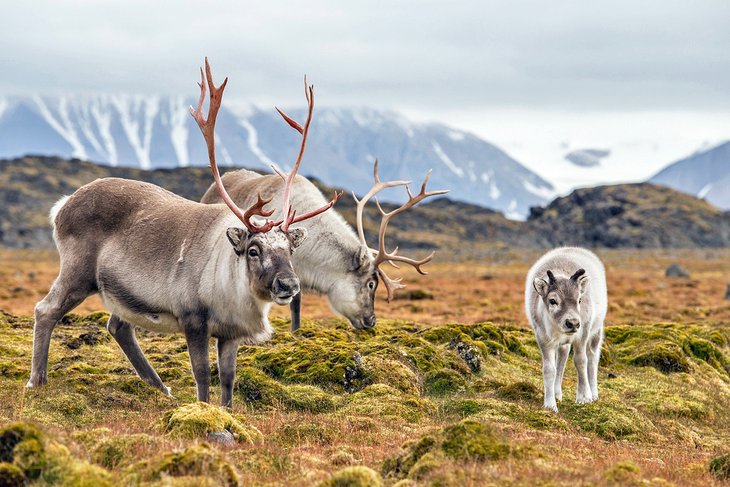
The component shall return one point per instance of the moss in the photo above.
(254, 386)
(607, 420)
(666, 357)
(343, 456)
(467, 440)
(308, 398)
(720, 467)
(30, 457)
(120, 450)
(63, 469)
(444, 381)
(305, 432)
(196, 420)
(354, 477)
(520, 390)
(61, 409)
(622, 473)
(425, 465)
(11, 476)
(472, 440)
(12, 435)
(382, 401)
(496, 339)
(395, 373)
(197, 460)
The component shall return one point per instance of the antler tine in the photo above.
(207, 127)
(258, 209)
(382, 253)
(287, 210)
(391, 285)
(377, 187)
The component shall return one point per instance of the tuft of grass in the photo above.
(357, 476)
(720, 467)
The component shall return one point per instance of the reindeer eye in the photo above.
(371, 285)
(553, 302)
(252, 252)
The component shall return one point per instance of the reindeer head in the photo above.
(367, 264)
(265, 247)
(563, 297)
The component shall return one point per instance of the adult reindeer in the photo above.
(170, 265)
(333, 260)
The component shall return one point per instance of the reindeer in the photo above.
(171, 265)
(566, 302)
(333, 260)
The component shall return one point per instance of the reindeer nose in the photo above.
(572, 325)
(369, 321)
(286, 286)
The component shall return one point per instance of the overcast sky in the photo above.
(532, 64)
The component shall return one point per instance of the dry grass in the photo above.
(94, 387)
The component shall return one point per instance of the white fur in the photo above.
(553, 342)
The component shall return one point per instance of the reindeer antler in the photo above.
(287, 210)
(381, 254)
(207, 127)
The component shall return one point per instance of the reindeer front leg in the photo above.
(197, 336)
(227, 351)
(549, 372)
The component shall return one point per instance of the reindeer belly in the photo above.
(149, 319)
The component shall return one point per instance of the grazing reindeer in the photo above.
(170, 265)
(333, 260)
(566, 302)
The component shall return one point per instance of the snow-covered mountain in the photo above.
(705, 174)
(157, 132)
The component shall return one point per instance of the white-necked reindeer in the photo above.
(171, 265)
(333, 260)
(566, 301)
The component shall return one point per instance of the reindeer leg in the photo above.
(227, 351)
(123, 334)
(562, 359)
(197, 336)
(67, 292)
(296, 311)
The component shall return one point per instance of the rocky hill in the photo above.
(635, 215)
(632, 215)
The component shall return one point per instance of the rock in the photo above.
(676, 270)
(727, 292)
(224, 437)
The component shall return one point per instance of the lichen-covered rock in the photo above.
(196, 420)
(11, 476)
(357, 476)
(720, 467)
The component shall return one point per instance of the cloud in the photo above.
(409, 55)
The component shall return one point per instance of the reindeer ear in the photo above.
(297, 236)
(360, 259)
(583, 282)
(237, 237)
(541, 286)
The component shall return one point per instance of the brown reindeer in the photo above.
(171, 265)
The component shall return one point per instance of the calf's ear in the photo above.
(583, 282)
(297, 236)
(237, 237)
(541, 286)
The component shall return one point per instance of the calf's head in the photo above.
(563, 297)
(268, 261)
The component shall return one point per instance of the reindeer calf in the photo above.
(566, 301)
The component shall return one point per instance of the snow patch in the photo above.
(103, 119)
(446, 160)
(253, 143)
(179, 114)
(64, 127)
(3, 106)
(129, 107)
(512, 212)
(703, 192)
(456, 136)
(541, 191)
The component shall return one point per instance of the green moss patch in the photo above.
(198, 419)
(385, 402)
(357, 476)
(720, 467)
(195, 461)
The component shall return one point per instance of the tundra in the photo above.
(566, 301)
(171, 265)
